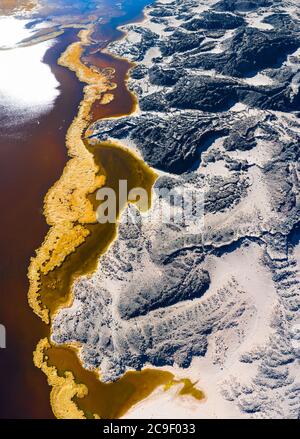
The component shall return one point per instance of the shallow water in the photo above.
(118, 164)
(110, 400)
(32, 157)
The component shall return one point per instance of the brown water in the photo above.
(109, 400)
(29, 166)
(32, 157)
(124, 102)
(113, 399)
(118, 164)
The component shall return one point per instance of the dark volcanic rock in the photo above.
(138, 72)
(206, 93)
(203, 93)
(161, 12)
(213, 21)
(180, 41)
(164, 77)
(171, 144)
(281, 21)
(242, 136)
(248, 51)
(153, 102)
(242, 5)
(276, 98)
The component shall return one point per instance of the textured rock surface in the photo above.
(218, 87)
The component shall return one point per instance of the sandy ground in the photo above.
(212, 371)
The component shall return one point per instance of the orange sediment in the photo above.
(90, 397)
(72, 248)
(67, 208)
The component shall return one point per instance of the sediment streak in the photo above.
(67, 208)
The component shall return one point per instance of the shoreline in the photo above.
(79, 179)
(35, 150)
(65, 389)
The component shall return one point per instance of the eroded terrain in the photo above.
(218, 91)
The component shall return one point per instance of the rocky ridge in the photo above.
(218, 88)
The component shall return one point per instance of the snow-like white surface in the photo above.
(259, 79)
(27, 85)
(151, 53)
(257, 20)
(12, 31)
